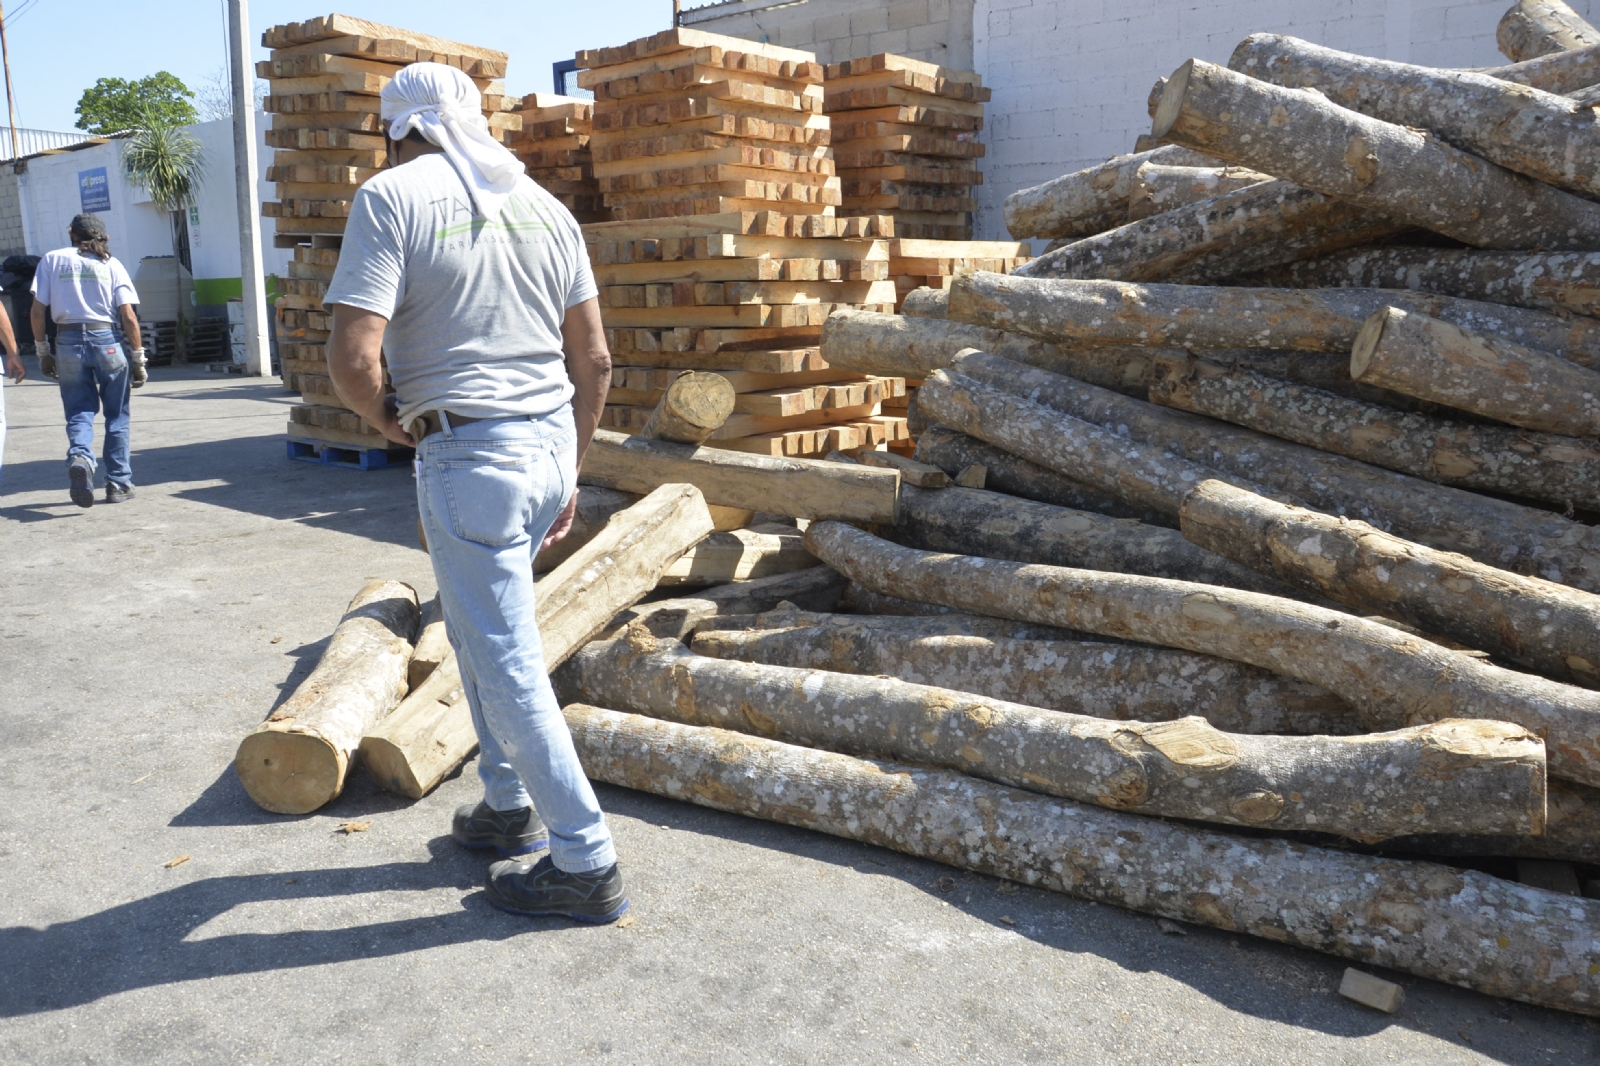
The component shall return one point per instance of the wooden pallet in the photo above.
(316, 451)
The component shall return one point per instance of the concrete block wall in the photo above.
(939, 31)
(12, 239)
(1071, 77)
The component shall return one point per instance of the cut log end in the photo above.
(694, 407)
(1367, 340)
(289, 773)
(1171, 102)
(390, 766)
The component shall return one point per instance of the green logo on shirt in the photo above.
(518, 215)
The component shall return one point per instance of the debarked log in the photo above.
(1534, 28)
(1540, 134)
(1408, 175)
(298, 758)
(1073, 204)
(1540, 625)
(1481, 457)
(1457, 926)
(969, 653)
(1252, 228)
(1070, 312)
(1486, 375)
(431, 733)
(1439, 775)
(433, 644)
(1390, 677)
(1524, 540)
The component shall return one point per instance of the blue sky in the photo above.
(58, 48)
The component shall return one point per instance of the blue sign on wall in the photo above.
(94, 190)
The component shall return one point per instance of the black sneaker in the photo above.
(117, 493)
(81, 473)
(596, 897)
(508, 832)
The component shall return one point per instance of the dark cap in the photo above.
(88, 227)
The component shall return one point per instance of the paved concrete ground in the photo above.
(139, 643)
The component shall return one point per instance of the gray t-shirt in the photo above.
(474, 305)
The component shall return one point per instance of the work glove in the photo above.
(136, 365)
(47, 360)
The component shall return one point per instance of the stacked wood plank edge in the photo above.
(553, 143)
(324, 76)
(905, 136)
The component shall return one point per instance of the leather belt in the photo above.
(428, 423)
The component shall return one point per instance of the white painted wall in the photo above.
(1071, 77)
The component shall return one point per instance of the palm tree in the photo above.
(170, 163)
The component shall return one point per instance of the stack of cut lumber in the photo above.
(905, 136)
(934, 264)
(553, 143)
(324, 77)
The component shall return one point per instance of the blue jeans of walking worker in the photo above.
(93, 369)
(488, 493)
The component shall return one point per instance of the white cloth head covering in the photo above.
(443, 103)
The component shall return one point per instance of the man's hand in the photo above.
(15, 368)
(563, 523)
(47, 359)
(391, 427)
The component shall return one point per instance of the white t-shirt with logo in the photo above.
(80, 288)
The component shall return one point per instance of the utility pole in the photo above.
(11, 103)
(677, 13)
(257, 357)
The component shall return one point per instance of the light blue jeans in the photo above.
(94, 376)
(488, 493)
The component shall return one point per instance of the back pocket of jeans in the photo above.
(109, 358)
(490, 501)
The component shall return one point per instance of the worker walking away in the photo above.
(13, 369)
(474, 282)
(88, 294)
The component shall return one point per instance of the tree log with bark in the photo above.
(1458, 926)
(1158, 188)
(1407, 175)
(1534, 28)
(973, 654)
(297, 759)
(431, 733)
(1540, 625)
(1487, 375)
(816, 589)
(925, 302)
(1507, 535)
(1540, 134)
(694, 407)
(1570, 73)
(1074, 313)
(1481, 457)
(1073, 205)
(1391, 678)
(1247, 229)
(596, 506)
(1571, 832)
(1437, 777)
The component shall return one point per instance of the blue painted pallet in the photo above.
(317, 451)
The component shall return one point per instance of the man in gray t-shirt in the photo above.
(473, 282)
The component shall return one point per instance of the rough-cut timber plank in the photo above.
(431, 733)
(992, 524)
(1404, 173)
(1541, 281)
(1510, 536)
(1534, 28)
(1444, 775)
(596, 506)
(297, 759)
(1064, 311)
(1484, 458)
(1527, 130)
(800, 488)
(738, 555)
(1071, 205)
(816, 589)
(432, 645)
(974, 654)
(1390, 677)
(1487, 375)
(1251, 228)
(1540, 625)
(1458, 926)
(695, 406)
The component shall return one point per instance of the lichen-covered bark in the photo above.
(1458, 926)
(1409, 175)
(1534, 28)
(973, 654)
(1571, 832)
(1569, 72)
(1541, 281)
(1251, 228)
(901, 627)
(1390, 677)
(1159, 187)
(296, 760)
(1485, 458)
(925, 302)
(1447, 776)
(1069, 206)
(1541, 134)
(905, 346)
(816, 589)
(1524, 540)
(1543, 626)
(953, 451)
(979, 522)
(1487, 375)
(1070, 312)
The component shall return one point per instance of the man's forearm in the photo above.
(130, 325)
(591, 380)
(36, 320)
(361, 387)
